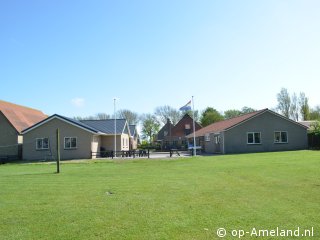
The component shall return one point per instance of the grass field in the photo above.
(186, 198)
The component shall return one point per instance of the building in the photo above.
(260, 131)
(309, 124)
(78, 139)
(174, 136)
(13, 119)
(134, 137)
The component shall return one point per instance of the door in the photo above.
(217, 144)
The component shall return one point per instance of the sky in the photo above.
(74, 57)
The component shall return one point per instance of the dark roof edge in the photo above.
(262, 112)
(257, 113)
(68, 120)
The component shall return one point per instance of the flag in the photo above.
(186, 107)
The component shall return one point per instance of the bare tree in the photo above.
(165, 112)
(131, 117)
(98, 116)
(197, 116)
(304, 107)
(284, 102)
(294, 108)
(102, 116)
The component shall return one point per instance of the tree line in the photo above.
(295, 107)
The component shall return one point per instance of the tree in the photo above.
(150, 127)
(232, 113)
(294, 108)
(209, 116)
(315, 113)
(131, 117)
(190, 113)
(98, 116)
(246, 110)
(315, 126)
(284, 102)
(165, 112)
(102, 116)
(304, 107)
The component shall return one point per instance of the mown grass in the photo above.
(187, 198)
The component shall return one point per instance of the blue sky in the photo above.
(74, 57)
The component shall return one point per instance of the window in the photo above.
(42, 143)
(187, 126)
(70, 142)
(217, 139)
(280, 137)
(187, 132)
(165, 133)
(254, 138)
(207, 137)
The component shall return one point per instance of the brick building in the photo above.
(174, 136)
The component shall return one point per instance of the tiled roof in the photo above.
(19, 116)
(225, 124)
(106, 126)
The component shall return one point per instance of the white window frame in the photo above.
(207, 137)
(42, 140)
(280, 140)
(68, 148)
(254, 143)
(217, 139)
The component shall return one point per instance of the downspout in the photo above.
(223, 150)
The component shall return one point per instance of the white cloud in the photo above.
(78, 102)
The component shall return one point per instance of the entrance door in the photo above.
(217, 145)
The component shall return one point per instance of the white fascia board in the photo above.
(57, 117)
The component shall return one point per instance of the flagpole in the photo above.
(194, 131)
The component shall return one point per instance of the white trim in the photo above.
(62, 119)
(70, 148)
(207, 137)
(254, 143)
(126, 124)
(280, 141)
(217, 139)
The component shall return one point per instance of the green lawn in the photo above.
(186, 198)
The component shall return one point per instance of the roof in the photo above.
(308, 124)
(232, 122)
(132, 130)
(93, 126)
(21, 117)
(65, 119)
(106, 126)
(225, 124)
(179, 129)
